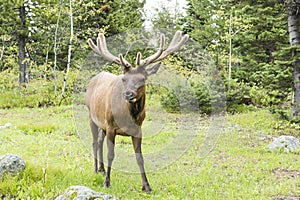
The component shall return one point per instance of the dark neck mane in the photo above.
(137, 108)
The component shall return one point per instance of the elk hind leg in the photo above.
(110, 140)
(95, 133)
(100, 144)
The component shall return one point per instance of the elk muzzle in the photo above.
(130, 96)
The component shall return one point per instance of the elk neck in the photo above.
(137, 109)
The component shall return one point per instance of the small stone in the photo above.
(285, 143)
(83, 193)
(11, 164)
(7, 125)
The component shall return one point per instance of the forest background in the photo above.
(253, 44)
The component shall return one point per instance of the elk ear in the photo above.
(153, 69)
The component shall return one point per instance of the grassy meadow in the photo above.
(235, 165)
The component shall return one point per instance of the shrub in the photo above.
(237, 94)
(38, 92)
(196, 97)
(170, 102)
(210, 96)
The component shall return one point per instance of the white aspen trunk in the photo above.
(69, 50)
(46, 61)
(230, 49)
(294, 33)
(55, 47)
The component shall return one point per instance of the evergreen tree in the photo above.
(251, 36)
(263, 49)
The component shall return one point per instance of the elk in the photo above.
(116, 104)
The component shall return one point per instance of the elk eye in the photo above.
(139, 84)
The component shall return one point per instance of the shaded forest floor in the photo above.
(235, 164)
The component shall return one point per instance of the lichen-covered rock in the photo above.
(83, 193)
(285, 143)
(11, 164)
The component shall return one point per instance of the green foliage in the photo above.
(237, 96)
(283, 112)
(166, 18)
(170, 102)
(206, 95)
(261, 54)
(203, 97)
(259, 96)
(37, 93)
(196, 96)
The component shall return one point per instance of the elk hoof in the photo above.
(146, 188)
(106, 184)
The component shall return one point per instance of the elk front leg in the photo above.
(95, 133)
(137, 143)
(110, 155)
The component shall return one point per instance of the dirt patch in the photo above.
(287, 198)
(280, 173)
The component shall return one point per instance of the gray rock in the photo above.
(7, 125)
(285, 143)
(11, 164)
(83, 193)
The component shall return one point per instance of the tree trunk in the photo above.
(3, 47)
(55, 46)
(294, 33)
(22, 42)
(69, 50)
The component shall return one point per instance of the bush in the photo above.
(197, 97)
(237, 94)
(170, 102)
(38, 92)
(210, 97)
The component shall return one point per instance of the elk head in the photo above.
(134, 78)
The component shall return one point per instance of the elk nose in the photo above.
(128, 95)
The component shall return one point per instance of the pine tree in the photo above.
(264, 49)
(249, 35)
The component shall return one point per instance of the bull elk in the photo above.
(116, 104)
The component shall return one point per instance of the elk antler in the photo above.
(175, 45)
(102, 50)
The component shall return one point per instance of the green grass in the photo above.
(239, 166)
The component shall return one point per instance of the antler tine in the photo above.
(101, 49)
(153, 57)
(101, 42)
(138, 59)
(124, 62)
(175, 39)
(93, 46)
(176, 43)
